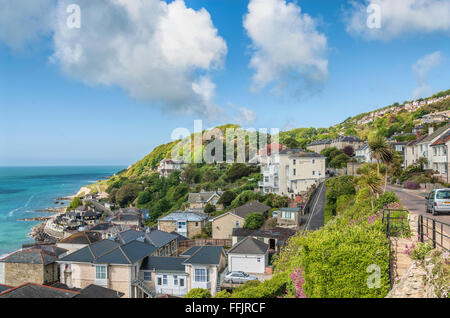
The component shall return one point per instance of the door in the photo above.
(251, 264)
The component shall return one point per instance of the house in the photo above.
(108, 230)
(128, 217)
(167, 166)
(108, 264)
(412, 151)
(363, 154)
(36, 264)
(289, 217)
(33, 290)
(200, 200)
(223, 225)
(165, 275)
(186, 223)
(439, 156)
(249, 255)
(203, 265)
(319, 145)
(276, 237)
(165, 243)
(78, 241)
(424, 144)
(340, 143)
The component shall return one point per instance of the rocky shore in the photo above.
(39, 235)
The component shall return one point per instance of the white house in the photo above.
(249, 255)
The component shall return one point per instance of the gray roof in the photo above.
(110, 252)
(249, 245)
(249, 208)
(179, 236)
(160, 238)
(435, 134)
(190, 251)
(279, 233)
(290, 210)
(202, 197)
(94, 291)
(185, 216)
(4, 288)
(206, 255)
(163, 264)
(31, 256)
(300, 153)
(31, 290)
(82, 238)
(129, 236)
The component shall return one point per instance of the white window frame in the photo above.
(201, 275)
(101, 270)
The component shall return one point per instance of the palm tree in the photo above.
(382, 152)
(372, 181)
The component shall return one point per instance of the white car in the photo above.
(239, 277)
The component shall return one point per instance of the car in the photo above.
(438, 201)
(239, 277)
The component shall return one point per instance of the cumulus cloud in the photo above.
(23, 21)
(399, 17)
(287, 49)
(243, 115)
(158, 52)
(421, 69)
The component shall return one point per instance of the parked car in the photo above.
(239, 277)
(438, 201)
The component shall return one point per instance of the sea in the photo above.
(23, 190)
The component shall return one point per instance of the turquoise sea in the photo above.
(26, 189)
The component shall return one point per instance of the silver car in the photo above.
(239, 277)
(438, 201)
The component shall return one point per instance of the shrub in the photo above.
(254, 221)
(209, 208)
(198, 293)
(272, 288)
(411, 185)
(418, 252)
(223, 294)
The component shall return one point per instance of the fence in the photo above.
(434, 231)
(184, 245)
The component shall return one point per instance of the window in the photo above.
(181, 282)
(295, 172)
(314, 173)
(196, 224)
(258, 260)
(175, 280)
(159, 281)
(444, 194)
(148, 276)
(237, 223)
(314, 161)
(294, 161)
(100, 272)
(164, 279)
(201, 275)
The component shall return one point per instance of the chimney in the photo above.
(430, 130)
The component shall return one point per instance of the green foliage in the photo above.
(337, 187)
(198, 293)
(236, 172)
(339, 161)
(419, 251)
(209, 208)
(272, 288)
(245, 197)
(254, 221)
(76, 202)
(227, 198)
(223, 294)
(127, 194)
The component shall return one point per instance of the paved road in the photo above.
(415, 203)
(315, 219)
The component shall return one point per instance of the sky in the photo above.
(106, 84)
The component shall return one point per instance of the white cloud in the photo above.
(24, 21)
(243, 115)
(421, 69)
(157, 52)
(287, 49)
(399, 17)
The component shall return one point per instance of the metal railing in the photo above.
(434, 231)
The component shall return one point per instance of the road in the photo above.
(315, 219)
(414, 201)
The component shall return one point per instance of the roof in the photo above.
(202, 197)
(279, 233)
(320, 142)
(190, 251)
(206, 255)
(249, 245)
(300, 153)
(31, 290)
(4, 288)
(224, 214)
(185, 216)
(436, 133)
(179, 236)
(129, 236)
(413, 142)
(290, 210)
(110, 252)
(163, 264)
(249, 208)
(442, 139)
(33, 255)
(94, 291)
(82, 238)
(160, 238)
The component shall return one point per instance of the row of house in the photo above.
(340, 143)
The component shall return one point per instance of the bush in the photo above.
(209, 208)
(418, 252)
(254, 221)
(226, 198)
(198, 293)
(223, 294)
(272, 288)
(411, 185)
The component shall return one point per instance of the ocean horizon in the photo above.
(24, 189)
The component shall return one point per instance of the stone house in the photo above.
(78, 241)
(186, 223)
(166, 243)
(201, 199)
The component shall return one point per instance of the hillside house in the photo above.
(248, 255)
(185, 223)
(200, 200)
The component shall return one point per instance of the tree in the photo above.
(198, 293)
(291, 143)
(127, 194)
(340, 161)
(373, 182)
(236, 172)
(226, 198)
(349, 151)
(254, 221)
(209, 208)
(190, 174)
(76, 202)
(380, 150)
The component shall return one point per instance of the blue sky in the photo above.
(54, 114)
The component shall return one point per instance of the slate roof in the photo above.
(82, 238)
(163, 264)
(129, 236)
(160, 238)
(110, 252)
(4, 288)
(436, 133)
(179, 236)
(413, 142)
(442, 140)
(249, 245)
(300, 153)
(31, 290)
(206, 255)
(34, 255)
(202, 197)
(249, 208)
(185, 216)
(94, 291)
(279, 233)
(296, 210)
(190, 251)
